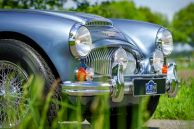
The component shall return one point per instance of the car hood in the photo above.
(140, 34)
(143, 34)
(83, 18)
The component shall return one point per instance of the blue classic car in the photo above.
(91, 55)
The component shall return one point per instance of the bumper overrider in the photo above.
(137, 85)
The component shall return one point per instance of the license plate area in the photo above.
(149, 86)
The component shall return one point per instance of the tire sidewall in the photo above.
(23, 56)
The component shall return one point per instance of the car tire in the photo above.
(152, 105)
(132, 118)
(126, 117)
(30, 62)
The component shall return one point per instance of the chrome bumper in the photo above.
(92, 88)
(110, 88)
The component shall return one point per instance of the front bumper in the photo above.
(90, 88)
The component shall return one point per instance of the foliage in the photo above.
(33, 4)
(183, 20)
(183, 24)
(180, 107)
(38, 105)
(182, 27)
(122, 9)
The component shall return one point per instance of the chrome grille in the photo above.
(101, 60)
(98, 23)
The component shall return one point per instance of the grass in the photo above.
(182, 106)
(36, 117)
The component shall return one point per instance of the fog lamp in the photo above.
(120, 57)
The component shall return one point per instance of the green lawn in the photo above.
(182, 106)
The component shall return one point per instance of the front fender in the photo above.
(51, 33)
(143, 34)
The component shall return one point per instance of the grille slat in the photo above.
(101, 60)
(98, 23)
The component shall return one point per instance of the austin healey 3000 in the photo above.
(90, 55)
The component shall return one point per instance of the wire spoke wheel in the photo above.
(13, 96)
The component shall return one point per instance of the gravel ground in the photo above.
(170, 124)
(151, 124)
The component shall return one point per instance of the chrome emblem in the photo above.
(151, 87)
(109, 33)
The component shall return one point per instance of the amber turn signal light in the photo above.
(165, 69)
(81, 74)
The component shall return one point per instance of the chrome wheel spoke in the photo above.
(13, 104)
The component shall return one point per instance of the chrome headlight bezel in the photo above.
(164, 41)
(79, 46)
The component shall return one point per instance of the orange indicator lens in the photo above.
(165, 69)
(81, 74)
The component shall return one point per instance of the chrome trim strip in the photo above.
(92, 88)
(87, 92)
(98, 23)
(72, 44)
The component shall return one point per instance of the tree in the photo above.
(183, 24)
(35, 4)
(122, 9)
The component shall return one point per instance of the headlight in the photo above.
(164, 39)
(158, 61)
(131, 65)
(80, 41)
(120, 57)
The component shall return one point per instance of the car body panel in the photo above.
(78, 17)
(50, 30)
(142, 33)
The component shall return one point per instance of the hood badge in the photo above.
(109, 33)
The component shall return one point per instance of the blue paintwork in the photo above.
(143, 34)
(50, 30)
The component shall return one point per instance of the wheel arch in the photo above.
(33, 44)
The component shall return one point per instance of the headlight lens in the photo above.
(80, 41)
(164, 39)
(158, 61)
(131, 65)
(120, 57)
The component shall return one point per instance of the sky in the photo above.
(166, 7)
